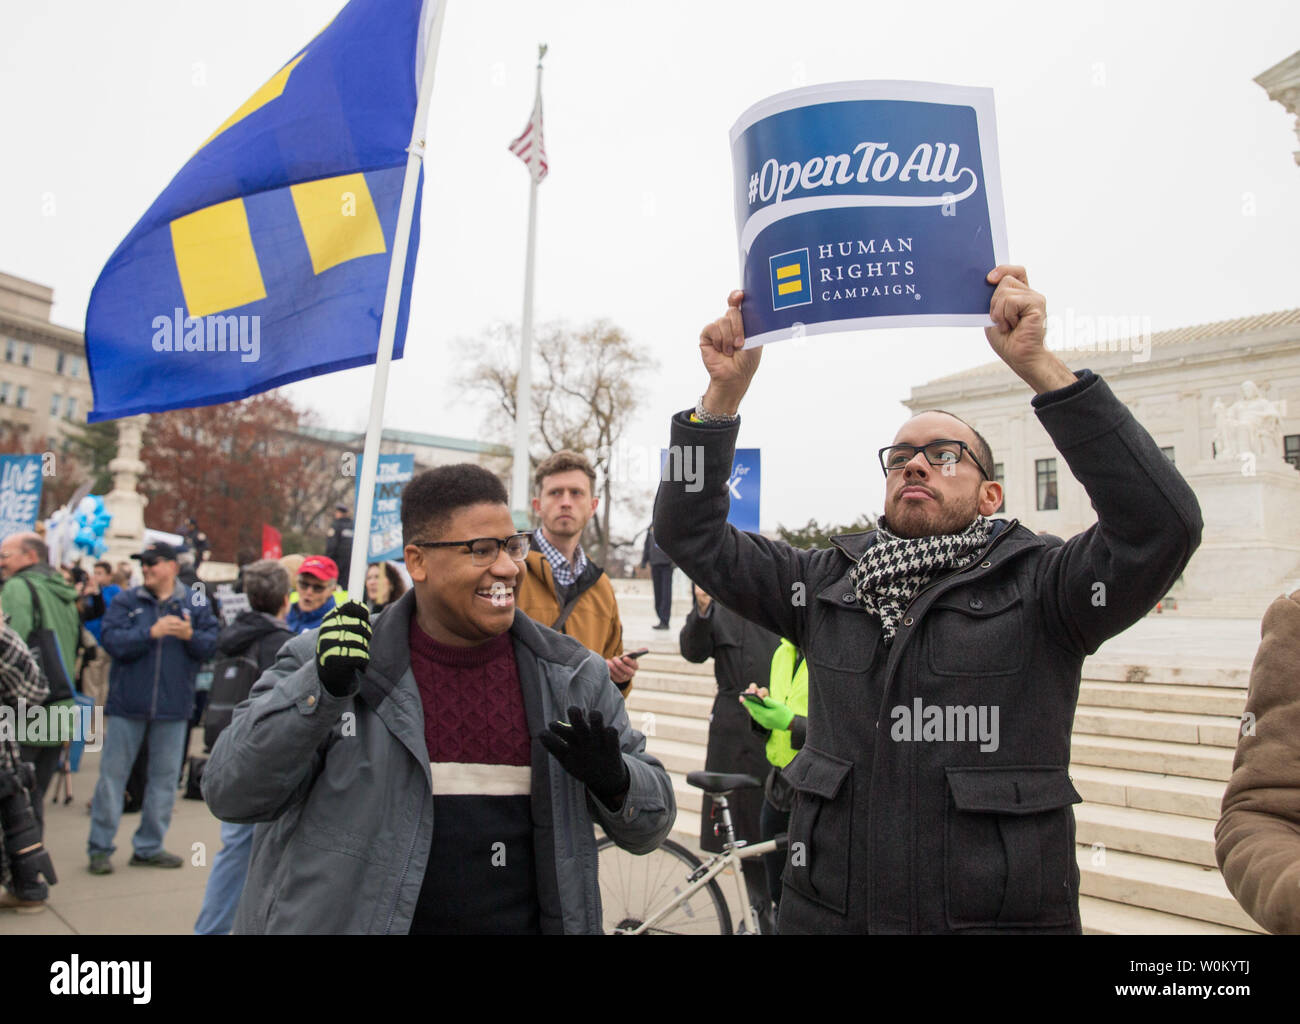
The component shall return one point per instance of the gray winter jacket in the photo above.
(344, 789)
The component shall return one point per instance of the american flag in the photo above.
(531, 136)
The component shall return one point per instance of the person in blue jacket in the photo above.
(157, 634)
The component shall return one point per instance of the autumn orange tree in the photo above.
(235, 466)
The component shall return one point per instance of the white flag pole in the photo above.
(519, 481)
(392, 300)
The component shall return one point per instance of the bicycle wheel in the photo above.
(632, 886)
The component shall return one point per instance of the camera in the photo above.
(28, 858)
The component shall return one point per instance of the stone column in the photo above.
(1190, 452)
(125, 534)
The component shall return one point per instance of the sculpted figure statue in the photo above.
(1250, 424)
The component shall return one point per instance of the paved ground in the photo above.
(131, 900)
(158, 901)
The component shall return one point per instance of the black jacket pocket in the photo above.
(817, 860)
(977, 634)
(1009, 847)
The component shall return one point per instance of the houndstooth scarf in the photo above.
(895, 568)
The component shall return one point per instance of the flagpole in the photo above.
(519, 486)
(392, 302)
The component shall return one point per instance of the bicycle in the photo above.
(631, 886)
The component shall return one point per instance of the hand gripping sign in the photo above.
(867, 204)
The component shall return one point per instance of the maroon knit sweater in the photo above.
(473, 707)
(480, 873)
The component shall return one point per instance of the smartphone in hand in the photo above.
(636, 654)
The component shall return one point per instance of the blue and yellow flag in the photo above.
(266, 259)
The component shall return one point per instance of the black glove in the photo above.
(343, 647)
(588, 750)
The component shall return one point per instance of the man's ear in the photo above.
(537, 506)
(413, 556)
(990, 497)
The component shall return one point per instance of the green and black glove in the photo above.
(343, 647)
(769, 714)
(588, 750)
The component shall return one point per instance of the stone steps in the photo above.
(1151, 833)
(1103, 917)
(669, 682)
(1167, 886)
(1171, 794)
(1199, 700)
(1166, 671)
(1186, 759)
(1172, 727)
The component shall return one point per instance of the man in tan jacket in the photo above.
(1257, 839)
(561, 587)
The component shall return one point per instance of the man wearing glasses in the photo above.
(442, 776)
(911, 813)
(318, 577)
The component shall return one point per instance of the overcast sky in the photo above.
(1144, 173)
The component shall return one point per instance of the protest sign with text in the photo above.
(392, 474)
(867, 204)
(20, 493)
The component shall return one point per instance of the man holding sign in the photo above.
(945, 647)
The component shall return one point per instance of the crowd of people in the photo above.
(433, 755)
(132, 639)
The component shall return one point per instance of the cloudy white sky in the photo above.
(1144, 173)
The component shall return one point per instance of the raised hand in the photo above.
(343, 647)
(1019, 330)
(731, 366)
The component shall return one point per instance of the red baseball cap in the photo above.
(319, 566)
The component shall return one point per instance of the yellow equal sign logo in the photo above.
(783, 274)
(790, 279)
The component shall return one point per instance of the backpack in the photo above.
(232, 679)
(44, 647)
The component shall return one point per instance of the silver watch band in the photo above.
(704, 416)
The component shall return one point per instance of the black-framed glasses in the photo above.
(313, 584)
(484, 550)
(943, 452)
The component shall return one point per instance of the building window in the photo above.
(1000, 478)
(21, 400)
(56, 403)
(1291, 449)
(4, 392)
(74, 366)
(72, 408)
(27, 353)
(1045, 473)
(11, 347)
(1169, 454)
(58, 363)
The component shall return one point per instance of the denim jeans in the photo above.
(226, 881)
(122, 739)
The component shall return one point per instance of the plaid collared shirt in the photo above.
(19, 677)
(566, 575)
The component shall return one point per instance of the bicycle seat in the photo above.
(721, 782)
